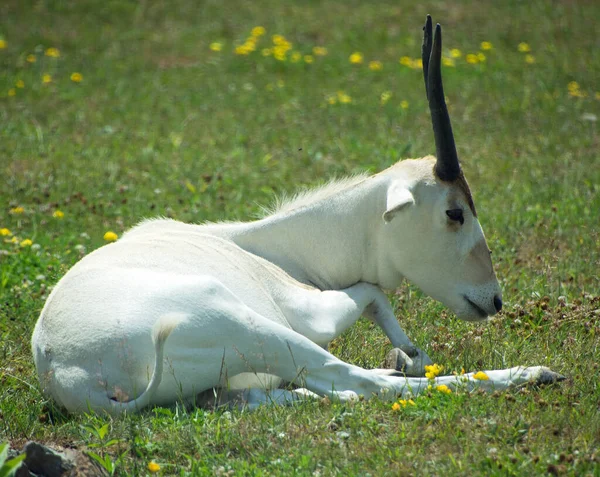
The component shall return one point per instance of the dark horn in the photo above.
(426, 50)
(447, 167)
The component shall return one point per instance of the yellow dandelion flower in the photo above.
(76, 77)
(529, 59)
(343, 97)
(258, 31)
(5, 232)
(31, 58)
(356, 58)
(12, 92)
(309, 59)
(443, 389)
(395, 406)
(242, 50)
(110, 236)
(280, 53)
(58, 214)
(432, 370)
(153, 467)
(266, 51)
(455, 53)
(411, 402)
(17, 210)
(417, 64)
(26, 243)
(472, 59)
(52, 52)
(296, 57)
(573, 86)
(46, 78)
(385, 97)
(486, 45)
(406, 61)
(331, 99)
(404, 104)
(524, 47)
(375, 65)
(448, 62)
(2, 44)
(481, 376)
(278, 40)
(319, 51)
(481, 57)
(20, 83)
(215, 46)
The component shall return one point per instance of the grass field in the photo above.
(111, 112)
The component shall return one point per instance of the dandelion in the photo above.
(319, 51)
(242, 50)
(529, 59)
(46, 78)
(375, 65)
(52, 52)
(17, 210)
(481, 376)
(331, 99)
(5, 232)
(472, 59)
(309, 59)
(417, 64)
(12, 92)
(575, 90)
(481, 57)
(406, 61)
(443, 389)
(278, 39)
(153, 467)
(215, 46)
(404, 104)
(20, 83)
(266, 52)
(296, 57)
(2, 44)
(76, 77)
(406, 402)
(343, 97)
(455, 53)
(356, 58)
(524, 47)
(385, 97)
(58, 214)
(31, 58)
(110, 236)
(258, 31)
(448, 62)
(432, 370)
(26, 243)
(396, 406)
(486, 46)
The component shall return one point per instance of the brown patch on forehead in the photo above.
(461, 184)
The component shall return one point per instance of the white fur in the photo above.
(172, 309)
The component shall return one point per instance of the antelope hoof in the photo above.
(548, 377)
(411, 361)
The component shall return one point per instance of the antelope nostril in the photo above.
(497, 303)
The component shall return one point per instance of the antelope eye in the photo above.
(456, 215)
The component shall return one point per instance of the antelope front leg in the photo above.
(372, 303)
(405, 356)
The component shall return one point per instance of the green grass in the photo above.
(162, 125)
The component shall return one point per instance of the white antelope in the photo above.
(172, 310)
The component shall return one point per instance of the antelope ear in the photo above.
(398, 197)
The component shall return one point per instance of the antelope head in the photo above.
(429, 208)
